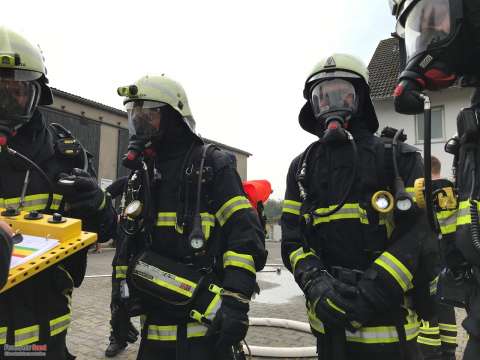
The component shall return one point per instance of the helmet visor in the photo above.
(19, 94)
(427, 24)
(144, 118)
(333, 95)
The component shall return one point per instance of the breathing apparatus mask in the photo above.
(19, 96)
(433, 43)
(334, 101)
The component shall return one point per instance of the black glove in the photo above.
(230, 324)
(337, 304)
(82, 194)
(6, 246)
(120, 323)
(358, 310)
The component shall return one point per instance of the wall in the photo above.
(452, 99)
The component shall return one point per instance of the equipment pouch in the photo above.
(452, 290)
(180, 291)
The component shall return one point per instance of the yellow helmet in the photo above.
(23, 81)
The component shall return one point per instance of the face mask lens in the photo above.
(427, 24)
(333, 95)
(17, 98)
(144, 118)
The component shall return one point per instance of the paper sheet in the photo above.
(30, 248)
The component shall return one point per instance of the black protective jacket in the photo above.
(398, 253)
(38, 310)
(235, 240)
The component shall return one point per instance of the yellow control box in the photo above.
(66, 230)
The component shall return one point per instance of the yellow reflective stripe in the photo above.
(196, 330)
(449, 220)
(169, 332)
(291, 207)
(395, 268)
(315, 323)
(104, 201)
(448, 339)
(333, 305)
(428, 341)
(429, 330)
(448, 327)
(60, 324)
(213, 308)
(162, 332)
(244, 261)
(3, 335)
(433, 286)
(27, 335)
(32, 202)
(297, 255)
(121, 272)
(166, 219)
(370, 335)
(230, 207)
(348, 211)
(208, 222)
(165, 279)
(381, 334)
(170, 219)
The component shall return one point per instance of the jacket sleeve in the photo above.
(411, 257)
(243, 240)
(5, 256)
(104, 221)
(298, 259)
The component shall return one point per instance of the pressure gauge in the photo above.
(197, 243)
(134, 209)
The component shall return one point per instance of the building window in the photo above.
(438, 125)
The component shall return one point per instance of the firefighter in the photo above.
(352, 235)
(38, 310)
(204, 232)
(117, 344)
(440, 43)
(438, 338)
(5, 251)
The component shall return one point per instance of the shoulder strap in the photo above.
(67, 146)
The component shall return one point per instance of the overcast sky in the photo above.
(242, 63)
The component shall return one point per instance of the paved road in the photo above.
(88, 336)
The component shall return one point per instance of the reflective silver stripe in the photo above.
(165, 279)
(396, 269)
(27, 335)
(60, 324)
(348, 211)
(162, 332)
(230, 207)
(291, 207)
(245, 261)
(169, 332)
(3, 335)
(196, 330)
(166, 219)
(297, 255)
(217, 302)
(32, 202)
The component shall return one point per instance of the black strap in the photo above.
(182, 349)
